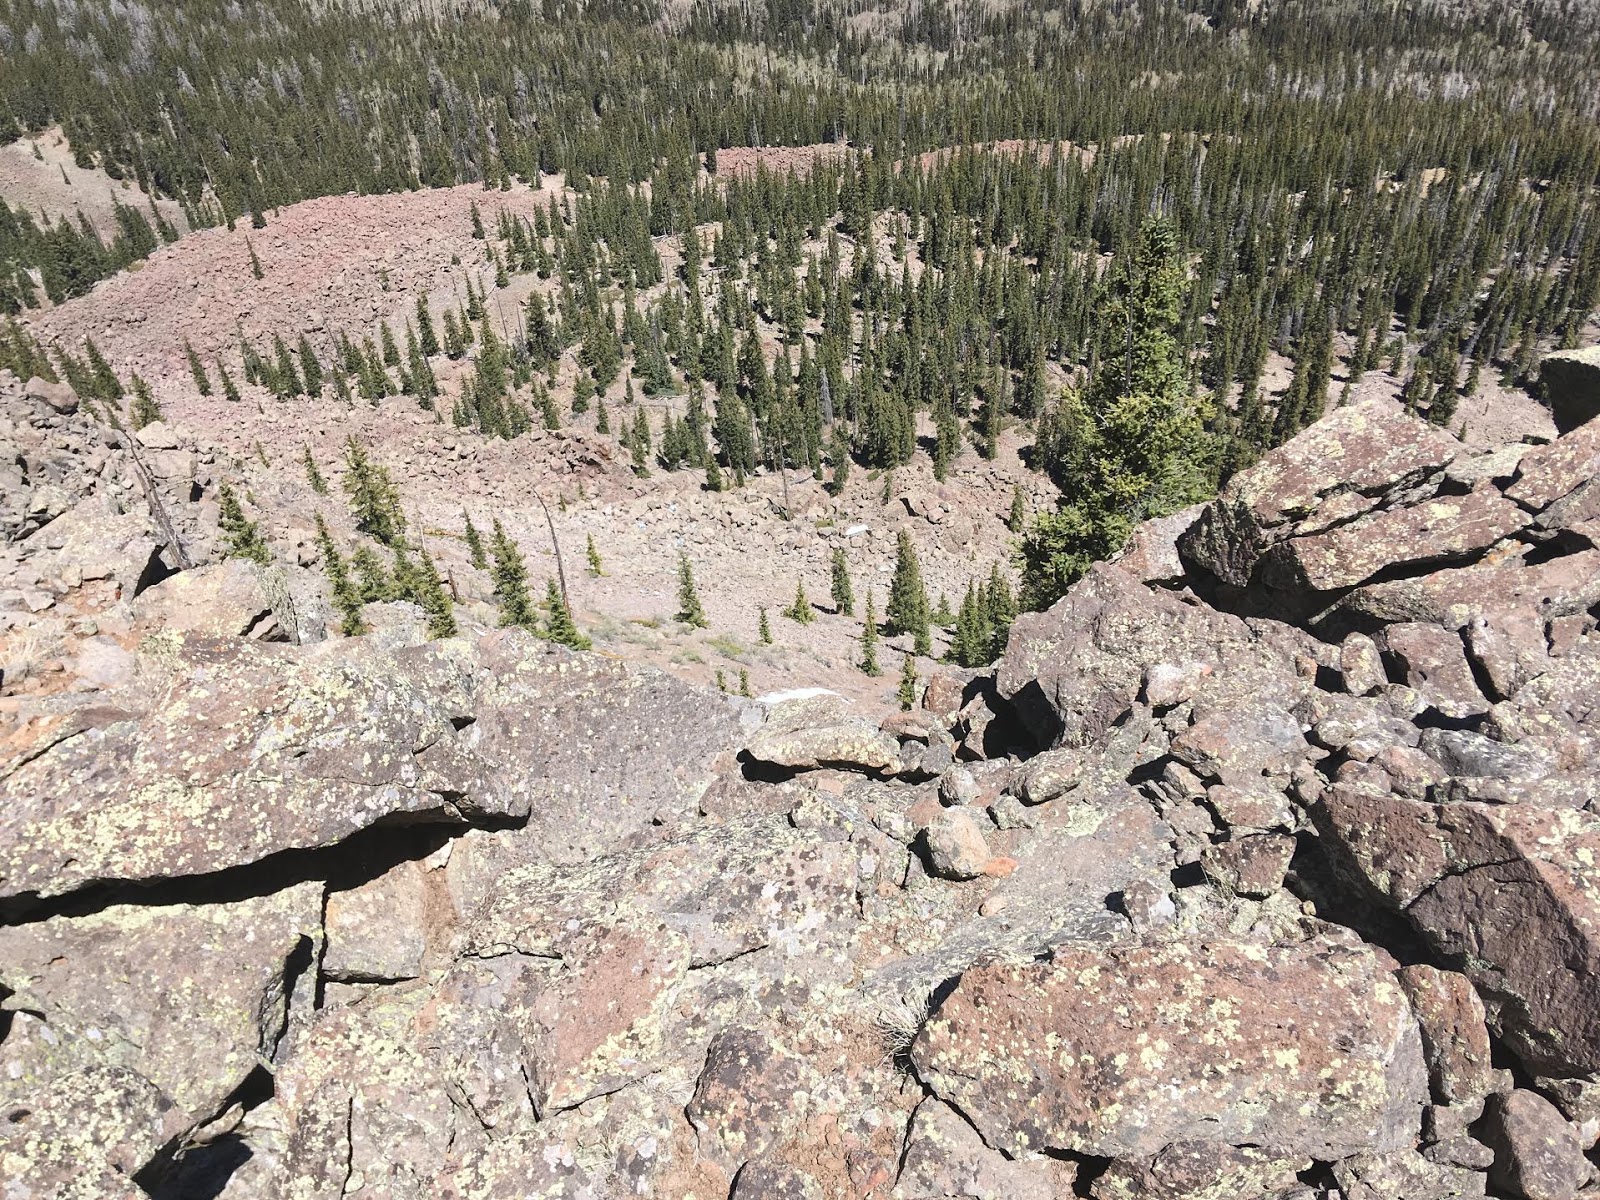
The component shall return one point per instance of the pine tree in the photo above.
(474, 542)
(230, 390)
(373, 497)
(242, 537)
(319, 485)
(346, 596)
(106, 385)
(559, 625)
(427, 337)
(376, 586)
(689, 610)
(844, 598)
(428, 591)
(511, 582)
(1001, 608)
(764, 628)
(310, 367)
(908, 693)
(869, 641)
(145, 408)
(941, 615)
(595, 567)
(908, 599)
(1018, 520)
(1136, 438)
(800, 610)
(196, 369)
(255, 262)
(744, 683)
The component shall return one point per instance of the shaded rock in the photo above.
(1536, 1154)
(192, 997)
(1048, 776)
(1310, 1049)
(1571, 383)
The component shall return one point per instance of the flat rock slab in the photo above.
(1310, 1049)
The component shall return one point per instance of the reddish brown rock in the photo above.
(1123, 1051)
(1250, 866)
(1536, 1153)
(1455, 1038)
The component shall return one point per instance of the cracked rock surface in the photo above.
(1263, 866)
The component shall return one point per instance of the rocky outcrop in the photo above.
(1262, 867)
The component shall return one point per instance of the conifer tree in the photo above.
(764, 628)
(800, 609)
(319, 485)
(559, 625)
(474, 542)
(376, 585)
(241, 536)
(145, 408)
(373, 497)
(941, 615)
(907, 694)
(196, 369)
(844, 598)
(744, 683)
(310, 367)
(1017, 521)
(230, 390)
(1136, 439)
(429, 594)
(511, 582)
(255, 262)
(869, 641)
(689, 610)
(346, 596)
(427, 336)
(593, 555)
(106, 385)
(907, 611)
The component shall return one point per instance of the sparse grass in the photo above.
(727, 646)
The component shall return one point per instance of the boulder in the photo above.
(1571, 382)
(59, 397)
(224, 599)
(1310, 1049)
(1359, 459)
(1200, 1170)
(1405, 1175)
(956, 847)
(1455, 1038)
(1536, 1153)
(1512, 892)
(945, 1157)
(191, 996)
(250, 749)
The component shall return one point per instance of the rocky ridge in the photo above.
(1261, 866)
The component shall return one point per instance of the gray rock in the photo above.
(956, 846)
(1536, 1154)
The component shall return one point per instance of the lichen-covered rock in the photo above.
(1455, 1038)
(1536, 1153)
(1407, 1174)
(192, 997)
(1510, 891)
(945, 1159)
(379, 930)
(851, 743)
(956, 847)
(1200, 1170)
(1122, 1051)
(1346, 465)
(248, 750)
